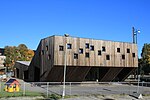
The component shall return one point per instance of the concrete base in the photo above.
(136, 95)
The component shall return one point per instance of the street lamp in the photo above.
(65, 62)
(135, 32)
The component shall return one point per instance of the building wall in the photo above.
(20, 70)
(42, 60)
(104, 60)
(130, 59)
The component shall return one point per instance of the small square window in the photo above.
(75, 56)
(42, 52)
(61, 48)
(123, 56)
(87, 55)
(118, 49)
(49, 57)
(133, 54)
(107, 57)
(103, 48)
(92, 47)
(128, 50)
(47, 47)
(87, 45)
(69, 46)
(80, 50)
(99, 52)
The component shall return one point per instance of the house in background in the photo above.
(21, 69)
(87, 60)
(2, 61)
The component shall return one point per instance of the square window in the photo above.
(42, 52)
(80, 50)
(128, 50)
(118, 49)
(49, 57)
(107, 57)
(99, 52)
(69, 46)
(103, 48)
(61, 48)
(87, 45)
(87, 55)
(92, 47)
(123, 56)
(47, 47)
(75, 56)
(133, 54)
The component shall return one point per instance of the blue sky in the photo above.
(28, 21)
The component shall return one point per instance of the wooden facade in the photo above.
(87, 59)
(97, 55)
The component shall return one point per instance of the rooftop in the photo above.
(24, 62)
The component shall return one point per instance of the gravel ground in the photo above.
(23, 98)
(108, 97)
(92, 97)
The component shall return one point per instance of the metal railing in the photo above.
(76, 88)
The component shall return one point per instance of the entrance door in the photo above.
(36, 74)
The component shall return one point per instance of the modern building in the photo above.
(86, 60)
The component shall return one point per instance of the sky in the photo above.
(28, 21)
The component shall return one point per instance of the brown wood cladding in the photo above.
(95, 59)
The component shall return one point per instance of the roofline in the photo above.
(90, 39)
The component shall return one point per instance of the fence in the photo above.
(76, 88)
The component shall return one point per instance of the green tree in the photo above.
(144, 62)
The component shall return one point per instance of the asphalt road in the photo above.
(87, 89)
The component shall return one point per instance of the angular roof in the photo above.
(27, 63)
(10, 81)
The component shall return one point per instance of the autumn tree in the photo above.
(13, 54)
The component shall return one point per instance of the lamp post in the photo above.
(65, 62)
(135, 32)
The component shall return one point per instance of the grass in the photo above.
(4, 94)
(16, 94)
(19, 94)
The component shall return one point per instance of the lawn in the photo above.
(18, 94)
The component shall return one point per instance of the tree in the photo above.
(14, 54)
(144, 62)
